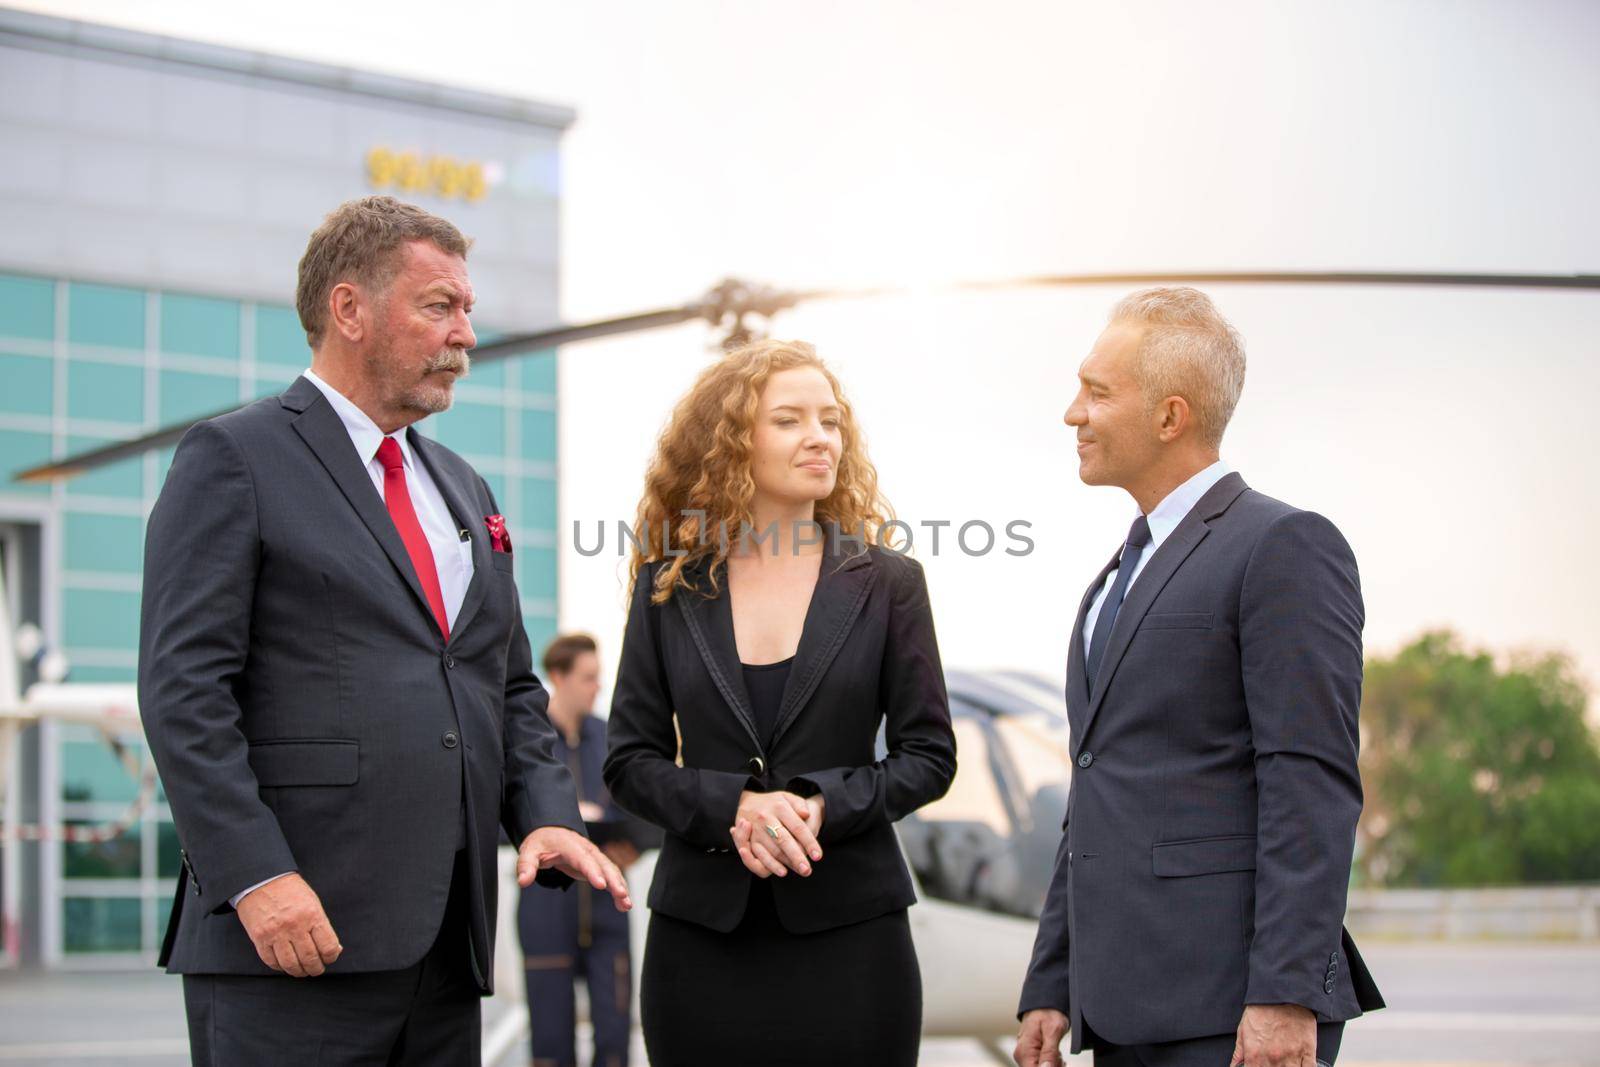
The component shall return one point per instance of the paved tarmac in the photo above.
(1476, 1003)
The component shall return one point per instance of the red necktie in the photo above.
(398, 499)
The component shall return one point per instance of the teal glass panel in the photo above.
(19, 450)
(541, 631)
(538, 503)
(279, 338)
(539, 435)
(117, 858)
(199, 326)
(124, 478)
(27, 384)
(270, 381)
(27, 307)
(487, 375)
(537, 576)
(163, 465)
(100, 618)
(472, 429)
(186, 395)
(90, 771)
(102, 674)
(101, 924)
(109, 392)
(539, 373)
(497, 489)
(104, 542)
(105, 315)
(167, 859)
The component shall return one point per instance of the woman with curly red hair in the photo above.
(771, 632)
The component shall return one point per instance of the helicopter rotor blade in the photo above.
(726, 304)
(1438, 279)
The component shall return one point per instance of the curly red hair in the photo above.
(702, 464)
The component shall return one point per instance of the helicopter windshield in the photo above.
(990, 842)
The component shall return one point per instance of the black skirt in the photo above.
(763, 996)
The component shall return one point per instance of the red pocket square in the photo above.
(499, 536)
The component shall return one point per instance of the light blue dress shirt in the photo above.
(1163, 519)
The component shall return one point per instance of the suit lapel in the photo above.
(319, 426)
(710, 624)
(845, 577)
(1077, 667)
(466, 519)
(842, 586)
(1148, 585)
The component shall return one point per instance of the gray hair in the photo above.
(361, 241)
(1189, 350)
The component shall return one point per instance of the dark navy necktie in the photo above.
(1132, 548)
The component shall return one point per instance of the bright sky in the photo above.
(1450, 434)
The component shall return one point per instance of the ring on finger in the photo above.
(773, 831)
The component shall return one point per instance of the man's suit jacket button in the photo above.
(1327, 987)
(1086, 759)
(449, 662)
(757, 765)
(450, 739)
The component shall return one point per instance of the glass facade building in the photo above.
(117, 318)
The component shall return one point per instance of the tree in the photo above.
(1476, 773)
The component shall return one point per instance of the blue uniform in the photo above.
(580, 931)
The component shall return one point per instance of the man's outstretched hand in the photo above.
(288, 927)
(574, 856)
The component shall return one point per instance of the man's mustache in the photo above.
(450, 359)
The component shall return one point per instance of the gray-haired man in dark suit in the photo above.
(1213, 681)
(337, 688)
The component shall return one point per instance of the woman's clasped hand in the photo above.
(776, 833)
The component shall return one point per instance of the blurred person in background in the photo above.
(337, 688)
(1196, 912)
(577, 932)
(769, 636)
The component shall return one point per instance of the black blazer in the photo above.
(301, 708)
(867, 653)
(1212, 813)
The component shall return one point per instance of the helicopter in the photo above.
(109, 708)
(983, 855)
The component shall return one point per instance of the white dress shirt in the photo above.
(452, 557)
(1163, 519)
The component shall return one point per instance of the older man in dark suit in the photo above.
(337, 688)
(1213, 681)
